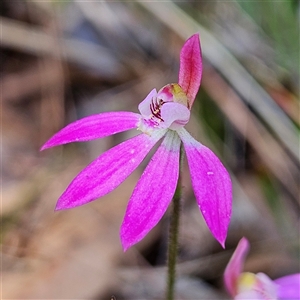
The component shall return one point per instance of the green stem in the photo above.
(173, 236)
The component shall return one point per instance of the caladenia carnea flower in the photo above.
(245, 285)
(163, 115)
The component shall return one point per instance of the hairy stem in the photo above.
(173, 236)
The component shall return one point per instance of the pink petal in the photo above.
(212, 185)
(153, 192)
(190, 71)
(93, 127)
(108, 171)
(235, 266)
(289, 287)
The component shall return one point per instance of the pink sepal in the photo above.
(153, 192)
(107, 171)
(93, 127)
(212, 186)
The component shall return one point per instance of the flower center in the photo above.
(155, 107)
(167, 108)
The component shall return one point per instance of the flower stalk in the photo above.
(173, 235)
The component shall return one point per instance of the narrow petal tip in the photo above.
(44, 147)
(222, 242)
(59, 207)
(220, 236)
(63, 204)
(125, 244)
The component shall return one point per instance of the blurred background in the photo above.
(63, 60)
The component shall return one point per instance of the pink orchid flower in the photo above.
(257, 286)
(163, 114)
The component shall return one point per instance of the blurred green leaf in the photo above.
(279, 21)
